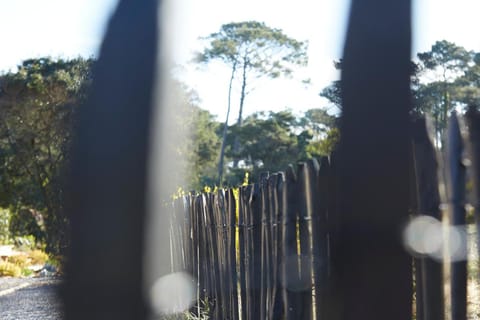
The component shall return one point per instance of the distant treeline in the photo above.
(38, 104)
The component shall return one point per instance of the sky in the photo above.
(69, 28)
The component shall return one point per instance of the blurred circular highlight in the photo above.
(173, 293)
(423, 236)
(426, 236)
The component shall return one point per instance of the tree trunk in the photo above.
(236, 144)
(225, 126)
(446, 107)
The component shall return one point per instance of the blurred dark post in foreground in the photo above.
(109, 170)
(372, 268)
(473, 122)
(428, 271)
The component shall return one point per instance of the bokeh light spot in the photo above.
(426, 236)
(172, 293)
(423, 236)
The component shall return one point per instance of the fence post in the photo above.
(204, 256)
(108, 176)
(194, 248)
(333, 291)
(190, 251)
(179, 231)
(232, 252)
(265, 250)
(214, 256)
(305, 227)
(320, 235)
(274, 307)
(473, 121)
(270, 247)
(289, 276)
(250, 250)
(308, 210)
(222, 245)
(373, 269)
(255, 247)
(280, 215)
(429, 273)
(456, 198)
(242, 233)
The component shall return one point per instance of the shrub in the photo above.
(37, 257)
(8, 269)
(19, 264)
(27, 272)
(20, 260)
(27, 222)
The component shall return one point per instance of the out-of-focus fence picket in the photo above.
(263, 251)
(426, 201)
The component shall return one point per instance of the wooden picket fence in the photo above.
(263, 251)
(264, 255)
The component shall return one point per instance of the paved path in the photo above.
(29, 299)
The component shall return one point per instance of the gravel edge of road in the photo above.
(10, 285)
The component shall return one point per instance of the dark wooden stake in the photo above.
(456, 198)
(108, 180)
(373, 167)
(429, 272)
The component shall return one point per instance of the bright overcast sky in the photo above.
(68, 28)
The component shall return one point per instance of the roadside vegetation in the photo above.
(23, 263)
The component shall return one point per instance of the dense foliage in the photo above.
(446, 78)
(271, 141)
(37, 112)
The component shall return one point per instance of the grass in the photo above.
(20, 260)
(188, 315)
(185, 316)
(9, 269)
(37, 257)
(473, 285)
(18, 265)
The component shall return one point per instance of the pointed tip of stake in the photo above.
(313, 163)
(290, 174)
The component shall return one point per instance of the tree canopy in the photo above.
(255, 50)
(270, 141)
(445, 79)
(37, 111)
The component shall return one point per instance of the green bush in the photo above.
(37, 257)
(27, 222)
(19, 264)
(20, 260)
